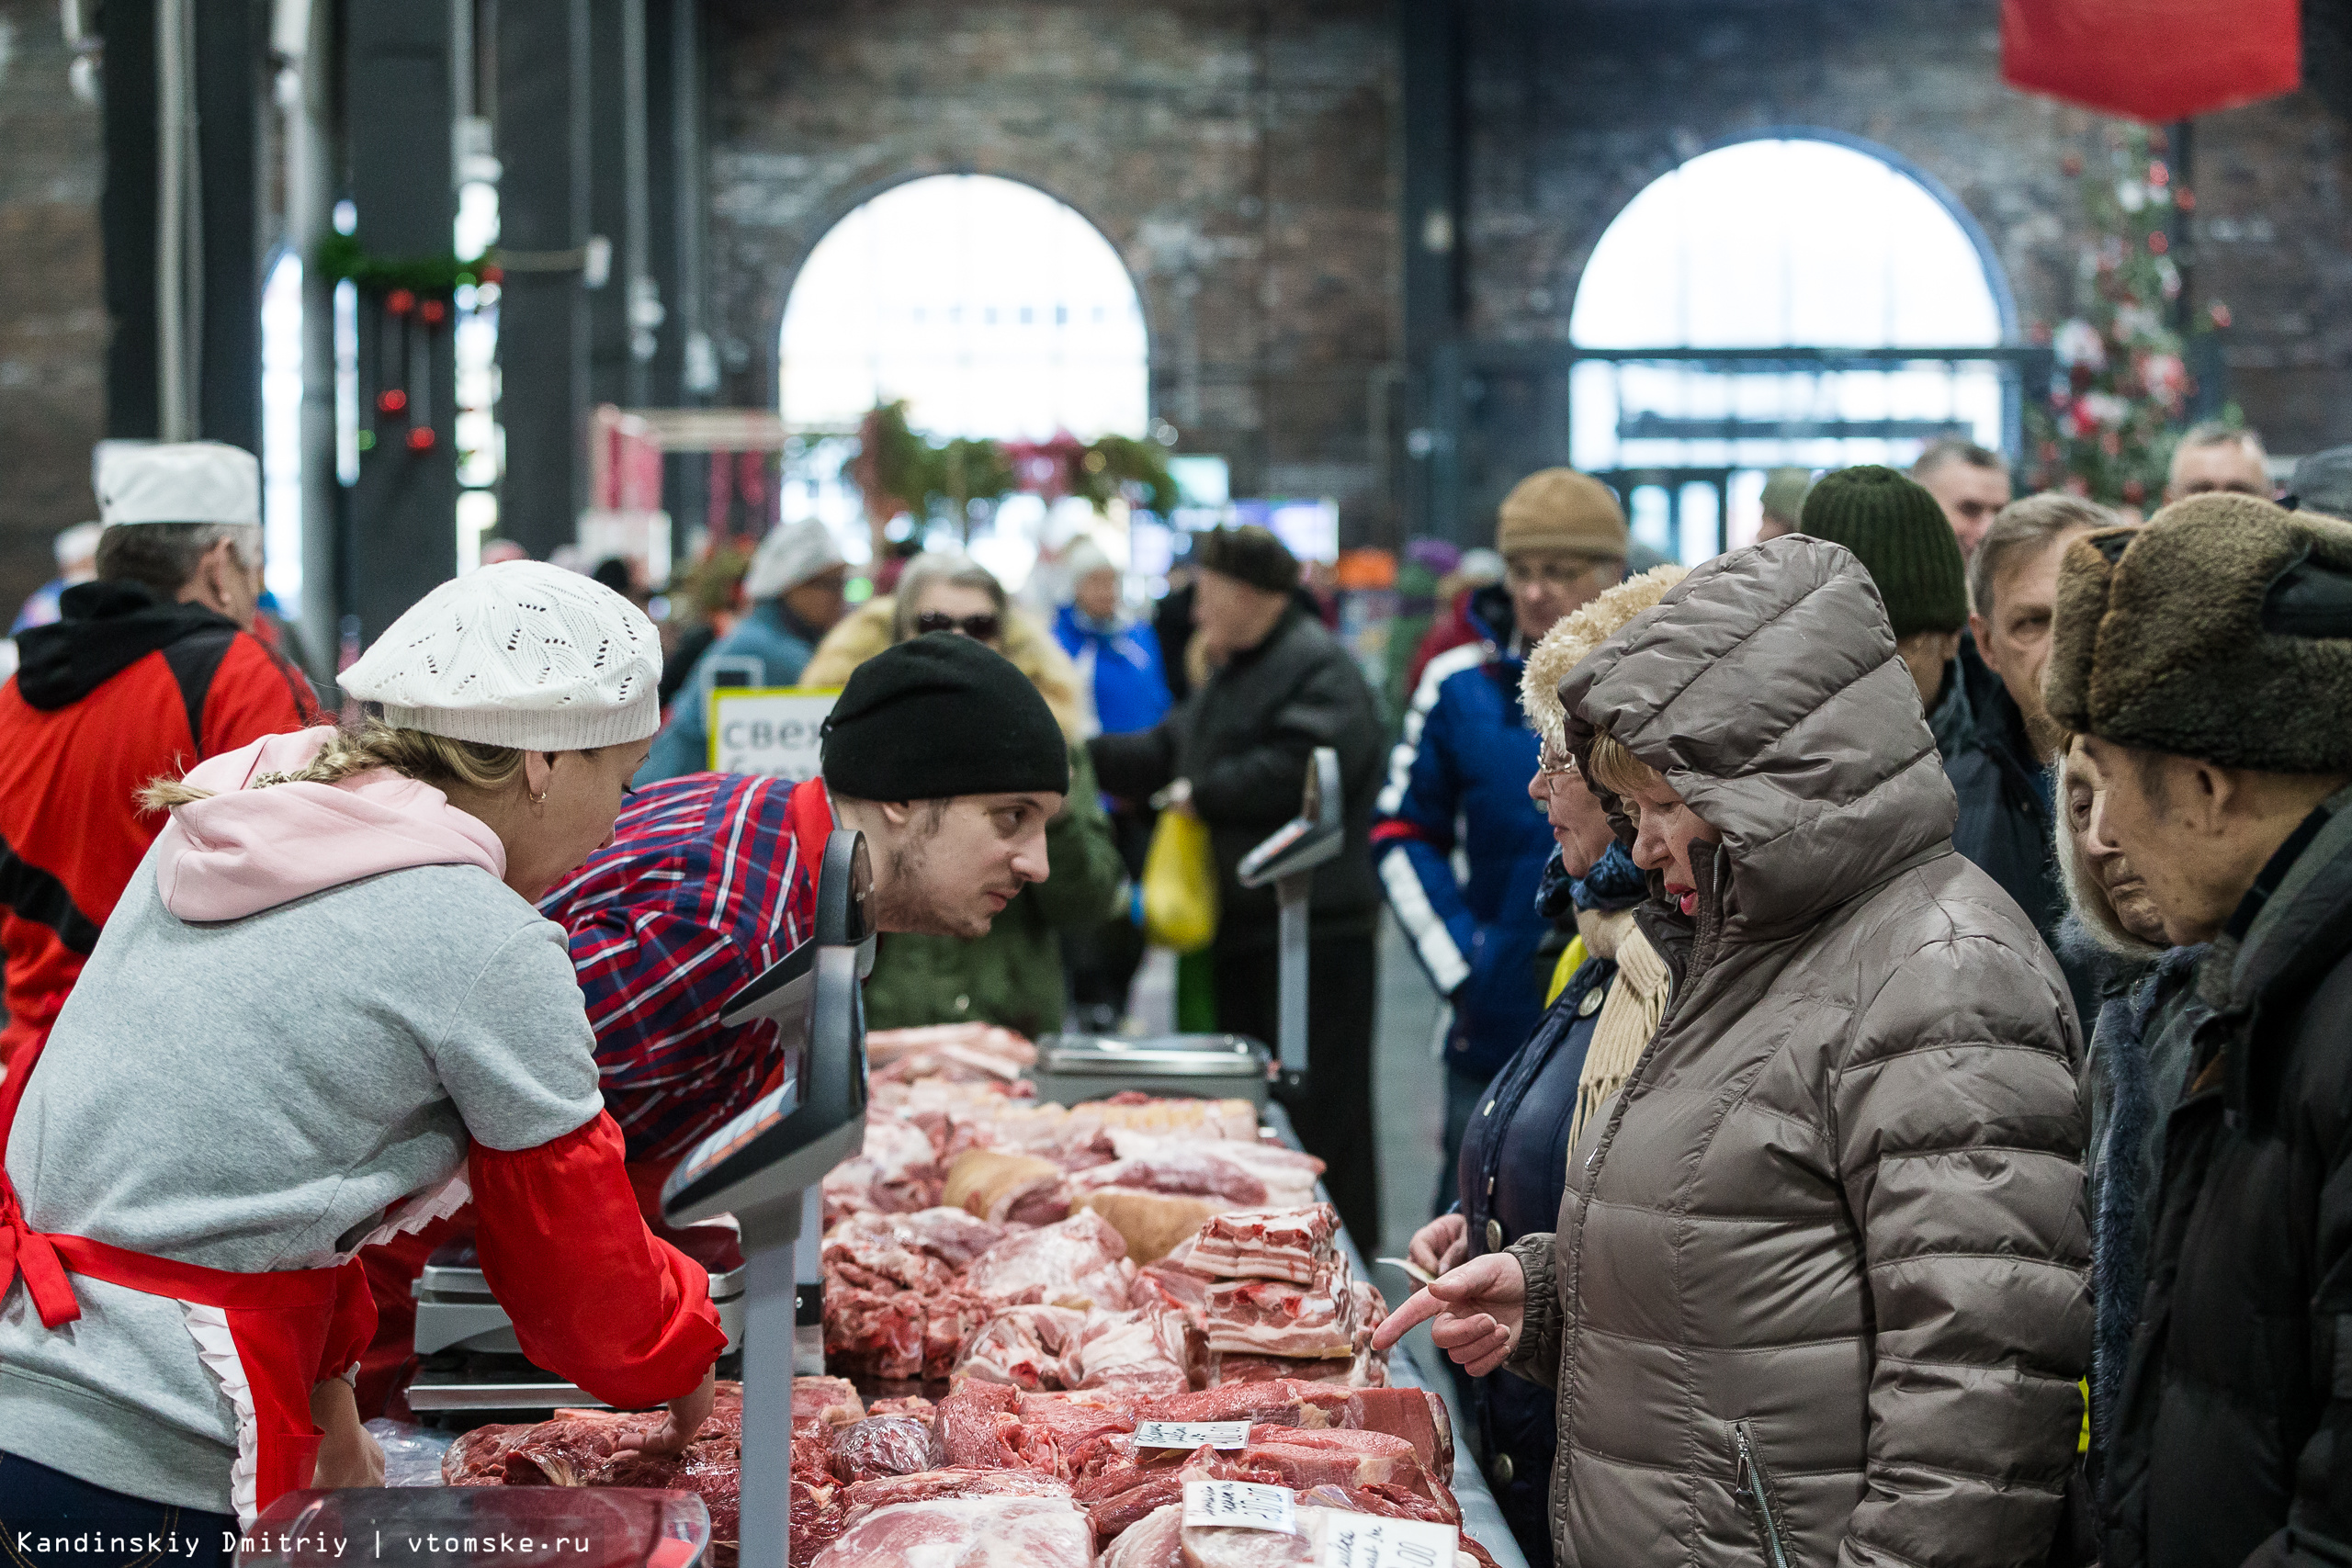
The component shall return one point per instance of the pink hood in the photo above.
(247, 850)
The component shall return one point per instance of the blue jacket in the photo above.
(768, 633)
(1119, 668)
(1458, 778)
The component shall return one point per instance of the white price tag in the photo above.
(1191, 1435)
(1362, 1540)
(1240, 1505)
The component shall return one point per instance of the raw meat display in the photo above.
(1366, 1369)
(995, 1185)
(970, 1429)
(1413, 1414)
(967, 1532)
(1280, 1404)
(1294, 1244)
(1080, 1262)
(974, 1052)
(880, 1445)
(1274, 1317)
(897, 1172)
(1152, 1223)
(1146, 1354)
(935, 1485)
(1024, 1345)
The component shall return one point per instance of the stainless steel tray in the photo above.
(1156, 1055)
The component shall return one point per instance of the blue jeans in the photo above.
(50, 1520)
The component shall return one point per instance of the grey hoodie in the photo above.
(253, 1093)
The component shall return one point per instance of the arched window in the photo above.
(1794, 243)
(991, 308)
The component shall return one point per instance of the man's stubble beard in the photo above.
(901, 904)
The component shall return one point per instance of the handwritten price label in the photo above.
(1360, 1540)
(1242, 1505)
(1191, 1435)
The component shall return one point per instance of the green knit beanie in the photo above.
(1899, 533)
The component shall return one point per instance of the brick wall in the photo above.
(52, 313)
(1239, 154)
(1575, 104)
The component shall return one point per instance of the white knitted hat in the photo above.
(522, 654)
(178, 481)
(790, 556)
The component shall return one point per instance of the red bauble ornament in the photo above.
(400, 302)
(492, 274)
(421, 438)
(2157, 243)
(392, 401)
(431, 312)
(2158, 175)
(2134, 492)
(2219, 312)
(2185, 198)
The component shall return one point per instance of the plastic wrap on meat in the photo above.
(1080, 1262)
(1275, 1317)
(1286, 1402)
(1144, 1355)
(967, 1532)
(1293, 1244)
(969, 1431)
(1024, 1345)
(1413, 1414)
(897, 1172)
(952, 1481)
(880, 1445)
(1156, 1542)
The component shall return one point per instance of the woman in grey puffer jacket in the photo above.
(1818, 1290)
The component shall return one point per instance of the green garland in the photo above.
(341, 257)
(902, 470)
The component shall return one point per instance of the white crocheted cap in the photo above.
(522, 654)
(790, 556)
(179, 482)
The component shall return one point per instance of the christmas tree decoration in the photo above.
(2120, 392)
(900, 470)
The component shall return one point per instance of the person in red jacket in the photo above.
(325, 1012)
(152, 669)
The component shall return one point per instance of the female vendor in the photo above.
(325, 1011)
(1514, 1157)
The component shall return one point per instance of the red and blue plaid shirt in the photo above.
(709, 879)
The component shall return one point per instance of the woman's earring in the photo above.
(541, 798)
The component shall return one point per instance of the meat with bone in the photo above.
(967, 1532)
(1024, 1345)
(1274, 1317)
(1080, 1262)
(1294, 1244)
(880, 1445)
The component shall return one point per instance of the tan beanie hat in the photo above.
(1560, 509)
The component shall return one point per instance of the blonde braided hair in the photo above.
(436, 760)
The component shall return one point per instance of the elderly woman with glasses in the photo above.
(1012, 976)
(1610, 989)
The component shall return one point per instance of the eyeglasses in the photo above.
(1551, 764)
(981, 627)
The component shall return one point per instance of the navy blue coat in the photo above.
(1458, 779)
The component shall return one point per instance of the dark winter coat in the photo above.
(1244, 740)
(2138, 1061)
(2233, 1435)
(1817, 1294)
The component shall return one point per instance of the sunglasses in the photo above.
(982, 628)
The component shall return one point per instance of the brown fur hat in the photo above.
(2222, 630)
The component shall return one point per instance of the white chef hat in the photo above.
(523, 654)
(178, 481)
(788, 557)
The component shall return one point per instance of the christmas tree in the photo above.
(2122, 386)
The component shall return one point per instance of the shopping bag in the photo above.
(1179, 884)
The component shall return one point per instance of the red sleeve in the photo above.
(352, 1326)
(595, 1297)
(253, 693)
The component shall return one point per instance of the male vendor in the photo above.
(939, 750)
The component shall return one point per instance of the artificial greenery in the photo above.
(2122, 386)
(898, 469)
(340, 256)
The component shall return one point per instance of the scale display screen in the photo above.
(710, 1156)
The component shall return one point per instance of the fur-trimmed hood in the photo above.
(865, 631)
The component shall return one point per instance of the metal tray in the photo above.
(1159, 1055)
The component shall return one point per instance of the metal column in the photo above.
(542, 137)
(396, 92)
(1429, 49)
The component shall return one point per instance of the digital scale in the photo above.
(762, 1171)
(1287, 859)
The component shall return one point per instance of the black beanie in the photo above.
(1249, 554)
(1899, 532)
(942, 715)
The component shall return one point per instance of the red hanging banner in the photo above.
(2152, 60)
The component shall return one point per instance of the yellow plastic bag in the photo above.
(1180, 885)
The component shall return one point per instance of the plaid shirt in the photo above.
(709, 879)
